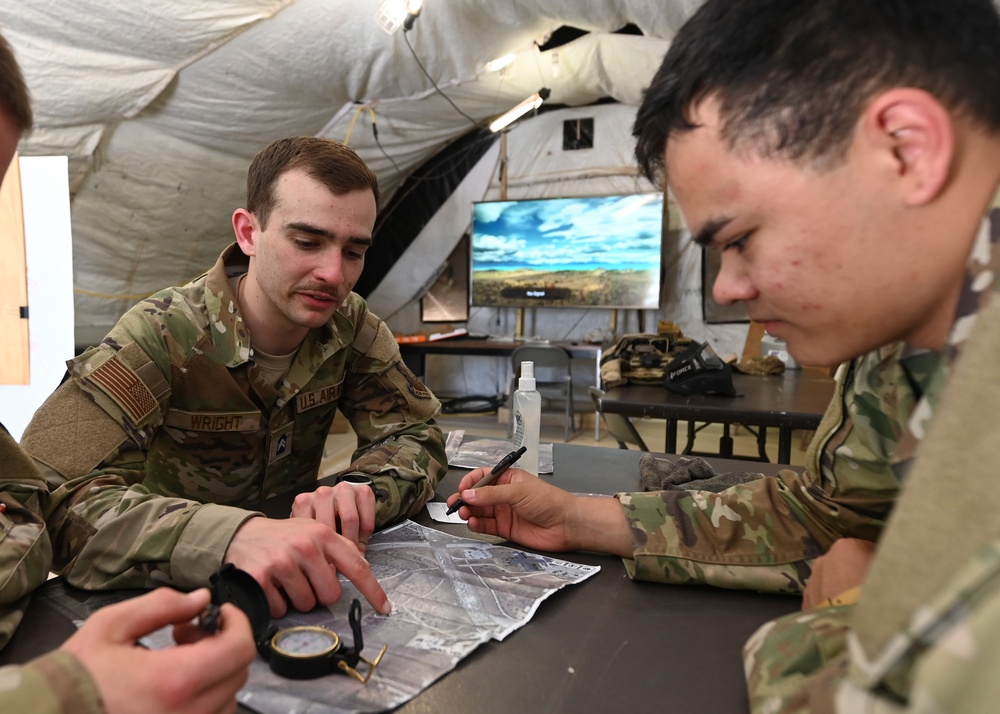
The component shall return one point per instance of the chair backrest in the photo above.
(620, 427)
(552, 363)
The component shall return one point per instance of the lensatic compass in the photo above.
(299, 652)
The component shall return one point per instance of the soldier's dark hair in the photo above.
(331, 163)
(15, 101)
(792, 77)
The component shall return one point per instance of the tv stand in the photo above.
(519, 324)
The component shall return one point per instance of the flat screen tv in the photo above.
(594, 251)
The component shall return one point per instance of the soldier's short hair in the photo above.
(792, 77)
(15, 101)
(333, 164)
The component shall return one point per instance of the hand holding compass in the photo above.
(300, 652)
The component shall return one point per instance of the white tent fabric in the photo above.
(538, 167)
(161, 106)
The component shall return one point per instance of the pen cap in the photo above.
(527, 380)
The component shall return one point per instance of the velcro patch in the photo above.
(125, 388)
(213, 421)
(366, 333)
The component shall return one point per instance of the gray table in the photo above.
(796, 399)
(607, 644)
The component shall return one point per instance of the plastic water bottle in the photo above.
(527, 417)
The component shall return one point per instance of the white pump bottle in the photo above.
(527, 405)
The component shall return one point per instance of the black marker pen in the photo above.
(492, 476)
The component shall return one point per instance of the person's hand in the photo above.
(348, 508)
(200, 675)
(842, 568)
(298, 558)
(523, 508)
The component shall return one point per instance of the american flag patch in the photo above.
(125, 388)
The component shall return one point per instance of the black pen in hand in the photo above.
(492, 476)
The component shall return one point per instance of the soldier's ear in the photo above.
(913, 138)
(245, 228)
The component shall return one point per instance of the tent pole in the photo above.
(519, 320)
(503, 165)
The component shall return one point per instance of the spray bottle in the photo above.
(527, 417)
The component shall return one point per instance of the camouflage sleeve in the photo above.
(56, 683)
(111, 532)
(797, 662)
(763, 535)
(89, 438)
(947, 655)
(399, 445)
(25, 548)
(945, 660)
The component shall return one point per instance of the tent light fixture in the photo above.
(500, 62)
(532, 102)
(393, 14)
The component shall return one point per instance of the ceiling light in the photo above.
(413, 8)
(500, 62)
(393, 14)
(532, 102)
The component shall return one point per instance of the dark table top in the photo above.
(795, 399)
(607, 644)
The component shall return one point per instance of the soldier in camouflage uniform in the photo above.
(841, 154)
(85, 674)
(25, 549)
(800, 662)
(208, 397)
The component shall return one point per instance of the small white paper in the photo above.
(438, 511)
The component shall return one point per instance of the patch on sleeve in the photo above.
(367, 333)
(384, 348)
(124, 387)
(415, 386)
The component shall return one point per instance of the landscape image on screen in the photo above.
(596, 251)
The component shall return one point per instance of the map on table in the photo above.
(449, 595)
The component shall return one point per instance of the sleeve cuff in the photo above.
(203, 543)
(630, 565)
(54, 682)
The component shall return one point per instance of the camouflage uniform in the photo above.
(25, 550)
(944, 659)
(947, 654)
(51, 684)
(763, 534)
(167, 430)
(47, 683)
